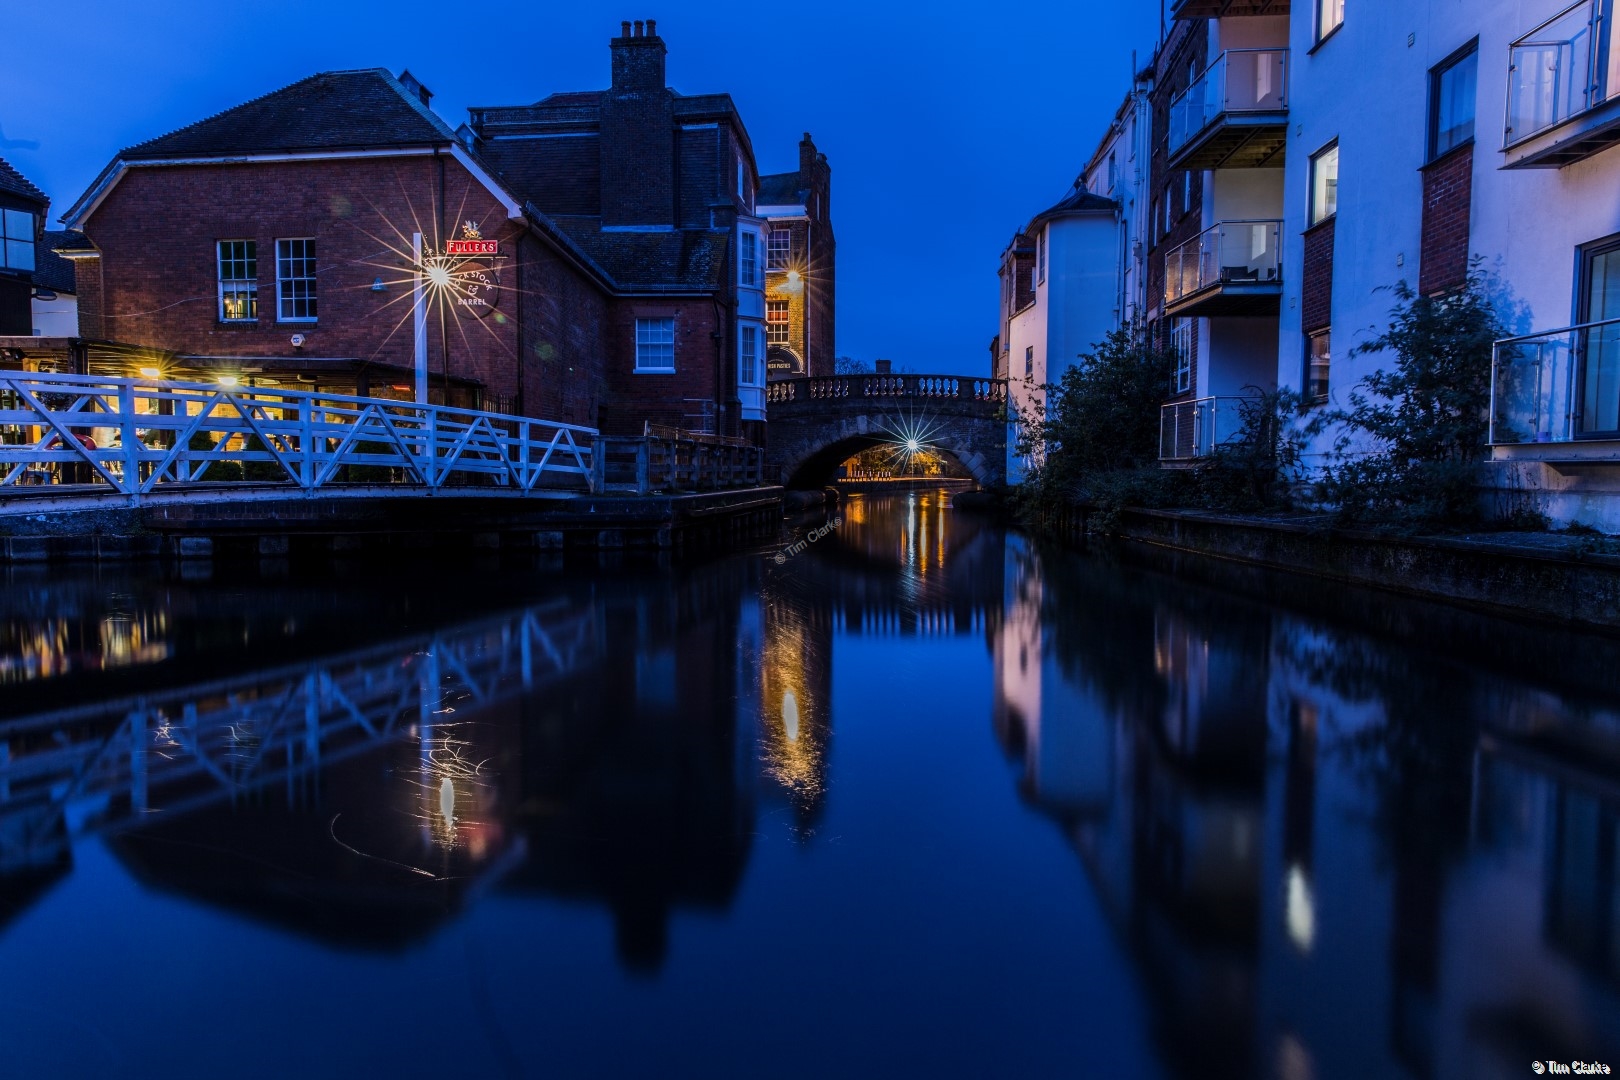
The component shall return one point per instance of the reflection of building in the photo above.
(800, 265)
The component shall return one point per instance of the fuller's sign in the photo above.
(465, 249)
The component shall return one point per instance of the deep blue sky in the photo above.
(947, 125)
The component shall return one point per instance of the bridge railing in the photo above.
(837, 387)
(649, 463)
(134, 435)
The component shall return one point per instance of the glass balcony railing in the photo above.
(1193, 429)
(1560, 69)
(1558, 386)
(1240, 81)
(1228, 253)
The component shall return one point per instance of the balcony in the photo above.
(1234, 115)
(1220, 9)
(1189, 430)
(1563, 91)
(1233, 268)
(1561, 386)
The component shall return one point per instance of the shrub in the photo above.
(1104, 414)
(1254, 469)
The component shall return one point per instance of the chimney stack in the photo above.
(638, 132)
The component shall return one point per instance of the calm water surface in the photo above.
(922, 799)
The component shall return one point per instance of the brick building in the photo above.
(22, 216)
(800, 267)
(274, 242)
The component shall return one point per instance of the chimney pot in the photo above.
(639, 25)
(652, 28)
(625, 31)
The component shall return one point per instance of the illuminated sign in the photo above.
(468, 248)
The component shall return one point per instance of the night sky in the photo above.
(947, 125)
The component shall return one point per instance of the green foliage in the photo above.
(1104, 415)
(262, 471)
(227, 471)
(1253, 469)
(1412, 439)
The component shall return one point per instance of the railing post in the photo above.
(306, 417)
(643, 464)
(126, 436)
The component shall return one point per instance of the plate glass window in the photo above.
(655, 344)
(1318, 354)
(1325, 184)
(1181, 344)
(776, 322)
(295, 280)
(779, 249)
(1329, 17)
(17, 233)
(1452, 90)
(238, 280)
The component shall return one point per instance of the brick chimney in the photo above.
(638, 132)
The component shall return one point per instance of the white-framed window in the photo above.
(238, 280)
(1029, 362)
(17, 229)
(1324, 183)
(779, 249)
(1181, 344)
(748, 355)
(1040, 255)
(776, 322)
(295, 280)
(1329, 17)
(655, 344)
(748, 258)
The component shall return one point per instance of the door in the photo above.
(1600, 345)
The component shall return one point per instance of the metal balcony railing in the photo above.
(1239, 81)
(1560, 69)
(1193, 429)
(1558, 386)
(1227, 253)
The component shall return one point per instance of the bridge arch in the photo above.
(814, 424)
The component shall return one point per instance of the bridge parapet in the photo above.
(839, 387)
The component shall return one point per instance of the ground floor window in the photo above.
(1318, 355)
(655, 344)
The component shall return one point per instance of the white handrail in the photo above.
(136, 434)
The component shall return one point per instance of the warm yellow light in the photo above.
(439, 276)
(913, 445)
(228, 381)
(151, 373)
(790, 715)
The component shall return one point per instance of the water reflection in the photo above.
(1350, 837)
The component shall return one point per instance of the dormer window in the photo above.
(17, 230)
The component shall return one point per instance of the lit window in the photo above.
(295, 280)
(238, 280)
(1329, 17)
(1319, 351)
(779, 249)
(655, 344)
(776, 322)
(1451, 102)
(748, 258)
(748, 355)
(1325, 184)
(17, 229)
(1181, 344)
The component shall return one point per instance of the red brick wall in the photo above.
(661, 398)
(1447, 200)
(539, 350)
(1316, 292)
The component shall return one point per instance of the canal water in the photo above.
(902, 795)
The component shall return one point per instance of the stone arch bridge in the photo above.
(816, 423)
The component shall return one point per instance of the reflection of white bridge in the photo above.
(105, 765)
(135, 438)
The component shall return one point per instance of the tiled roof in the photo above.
(333, 110)
(780, 189)
(51, 271)
(1078, 201)
(676, 258)
(16, 183)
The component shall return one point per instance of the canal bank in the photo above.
(230, 522)
(1545, 576)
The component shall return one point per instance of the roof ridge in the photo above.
(29, 189)
(239, 105)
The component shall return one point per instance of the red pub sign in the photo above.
(470, 248)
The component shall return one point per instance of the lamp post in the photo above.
(419, 322)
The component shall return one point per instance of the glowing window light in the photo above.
(229, 381)
(151, 373)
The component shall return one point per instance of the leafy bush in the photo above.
(1254, 469)
(216, 470)
(1412, 440)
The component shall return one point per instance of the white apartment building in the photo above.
(1346, 145)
